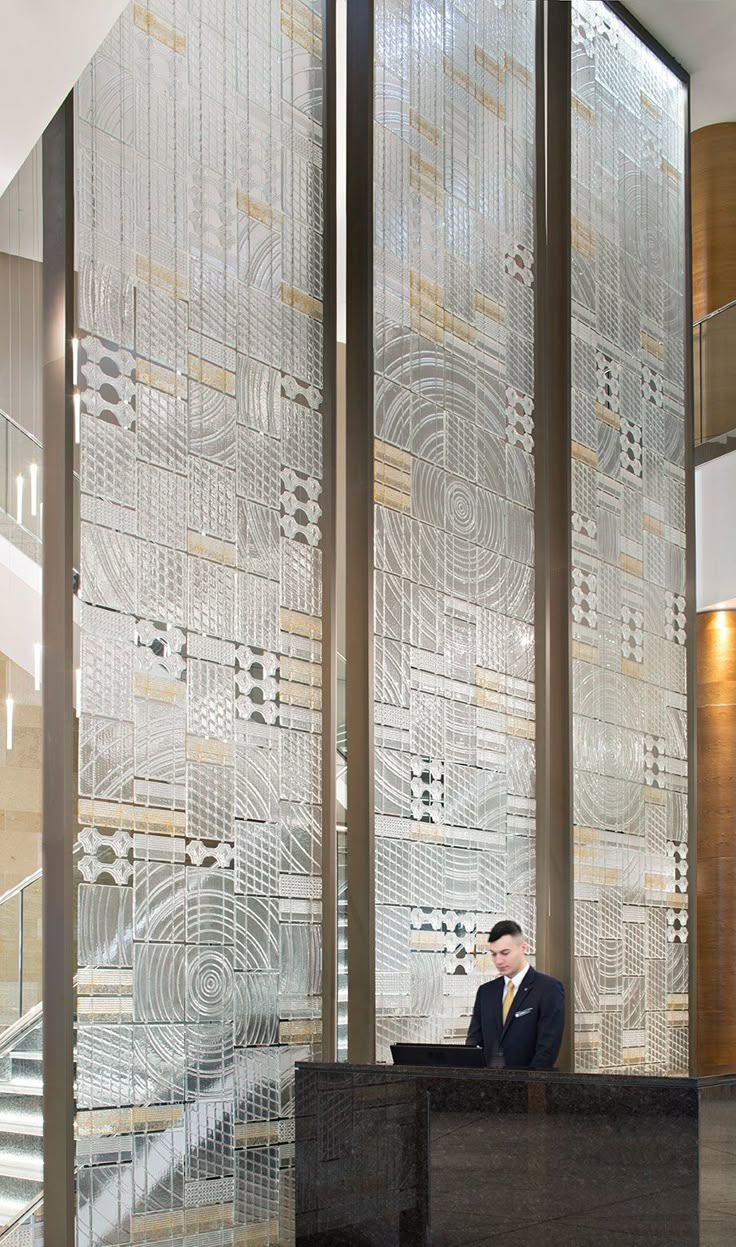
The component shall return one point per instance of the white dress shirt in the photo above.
(516, 980)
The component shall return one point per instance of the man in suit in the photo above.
(518, 1018)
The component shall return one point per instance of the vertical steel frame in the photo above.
(329, 550)
(553, 537)
(359, 517)
(59, 788)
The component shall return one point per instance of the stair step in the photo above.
(23, 1086)
(25, 1125)
(26, 1166)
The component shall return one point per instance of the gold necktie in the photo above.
(507, 1001)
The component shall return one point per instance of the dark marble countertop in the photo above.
(521, 1075)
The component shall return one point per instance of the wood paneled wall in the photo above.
(716, 861)
(713, 174)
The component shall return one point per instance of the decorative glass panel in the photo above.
(628, 535)
(454, 499)
(199, 232)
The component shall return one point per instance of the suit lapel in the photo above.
(524, 988)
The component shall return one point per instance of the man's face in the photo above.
(509, 954)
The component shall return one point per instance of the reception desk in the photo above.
(415, 1157)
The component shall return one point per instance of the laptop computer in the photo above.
(443, 1055)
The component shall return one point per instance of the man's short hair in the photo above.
(506, 927)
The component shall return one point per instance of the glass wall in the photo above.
(454, 502)
(629, 622)
(200, 249)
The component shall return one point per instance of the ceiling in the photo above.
(45, 46)
(701, 35)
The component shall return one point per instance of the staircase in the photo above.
(21, 1120)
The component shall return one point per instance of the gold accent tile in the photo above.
(166, 279)
(213, 375)
(517, 70)
(583, 238)
(259, 1235)
(392, 476)
(98, 1123)
(473, 89)
(157, 1116)
(151, 1227)
(394, 499)
(671, 172)
(584, 111)
(490, 308)
(299, 624)
(212, 548)
(655, 796)
(426, 179)
(459, 328)
(95, 981)
(654, 882)
(649, 106)
(291, 694)
(652, 525)
(424, 127)
(584, 454)
(215, 752)
(256, 209)
(520, 728)
(606, 416)
(300, 24)
(159, 378)
(427, 833)
(486, 62)
(301, 302)
(427, 941)
(256, 1134)
(652, 346)
(302, 1030)
(132, 817)
(151, 25)
(634, 1056)
(585, 652)
(159, 688)
(677, 1001)
(632, 669)
(633, 566)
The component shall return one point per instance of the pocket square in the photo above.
(522, 1013)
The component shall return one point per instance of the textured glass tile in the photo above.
(199, 231)
(627, 607)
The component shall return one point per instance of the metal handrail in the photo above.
(719, 310)
(18, 887)
(26, 433)
(23, 1216)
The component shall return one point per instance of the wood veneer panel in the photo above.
(716, 866)
(713, 170)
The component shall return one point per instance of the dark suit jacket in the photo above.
(532, 1035)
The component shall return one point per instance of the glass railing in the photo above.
(714, 375)
(21, 498)
(20, 950)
